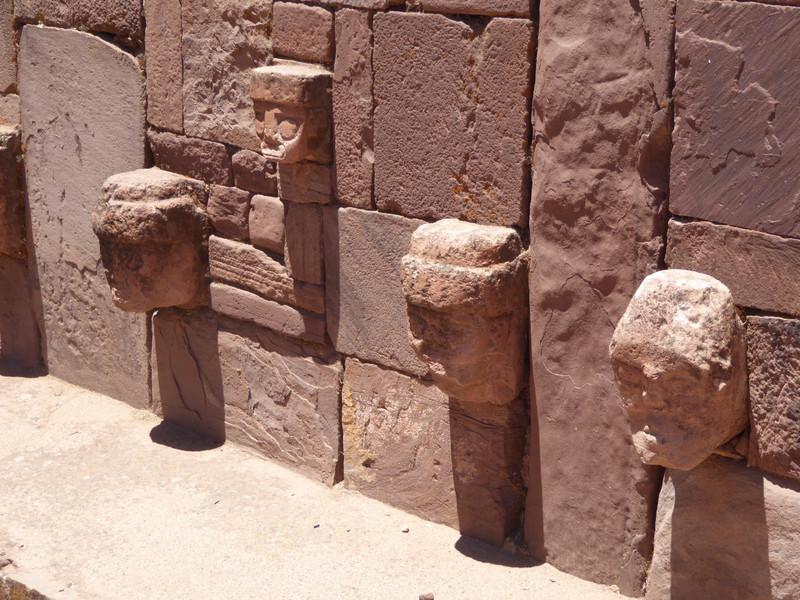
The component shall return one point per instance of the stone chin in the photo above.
(667, 452)
(278, 154)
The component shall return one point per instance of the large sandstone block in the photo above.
(726, 531)
(726, 168)
(451, 135)
(164, 64)
(20, 338)
(120, 17)
(363, 291)
(222, 42)
(8, 52)
(754, 265)
(282, 398)
(12, 208)
(773, 362)
(303, 32)
(83, 120)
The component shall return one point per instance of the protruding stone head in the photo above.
(153, 232)
(292, 102)
(465, 286)
(678, 355)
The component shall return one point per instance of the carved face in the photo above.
(281, 129)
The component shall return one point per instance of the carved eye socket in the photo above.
(288, 129)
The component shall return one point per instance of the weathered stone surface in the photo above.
(352, 108)
(726, 168)
(222, 42)
(752, 264)
(153, 235)
(304, 253)
(12, 208)
(187, 381)
(199, 159)
(773, 364)
(164, 64)
(254, 173)
(510, 8)
(266, 220)
(9, 110)
(101, 89)
(450, 118)
(228, 210)
(20, 338)
(465, 286)
(306, 183)
(120, 17)
(678, 355)
(282, 399)
(302, 32)
(8, 53)
(245, 266)
(292, 103)
(284, 319)
(597, 221)
(726, 531)
(364, 294)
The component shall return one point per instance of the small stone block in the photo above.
(228, 211)
(9, 111)
(8, 51)
(302, 32)
(305, 183)
(304, 249)
(164, 64)
(255, 173)
(267, 223)
(199, 159)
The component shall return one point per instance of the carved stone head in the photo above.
(678, 355)
(153, 232)
(292, 102)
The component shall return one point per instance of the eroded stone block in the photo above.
(465, 286)
(254, 173)
(199, 159)
(164, 64)
(8, 53)
(302, 32)
(678, 355)
(9, 110)
(306, 183)
(228, 211)
(12, 208)
(266, 220)
(120, 17)
(153, 234)
(292, 103)
(304, 248)
(511, 8)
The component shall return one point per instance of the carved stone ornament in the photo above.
(153, 236)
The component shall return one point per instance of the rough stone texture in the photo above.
(773, 363)
(199, 159)
(726, 531)
(153, 235)
(352, 108)
(753, 265)
(187, 381)
(9, 110)
(282, 399)
(164, 64)
(267, 223)
(248, 267)
(120, 17)
(8, 53)
(678, 355)
(510, 8)
(306, 183)
(20, 339)
(83, 120)
(222, 42)
(734, 59)
(596, 231)
(12, 208)
(228, 210)
(254, 173)
(285, 319)
(466, 289)
(363, 291)
(302, 32)
(304, 253)
(450, 118)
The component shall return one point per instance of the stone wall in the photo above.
(406, 233)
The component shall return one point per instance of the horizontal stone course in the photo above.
(120, 17)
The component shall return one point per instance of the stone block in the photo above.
(726, 531)
(302, 32)
(306, 183)
(363, 291)
(352, 108)
(228, 210)
(773, 363)
(8, 51)
(753, 265)
(465, 286)
(254, 173)
(266, 222)
(101, 88)
(500, 8)
(282, 399)
(187, 380)
(678, 355)
(120, 17)
(12, 207)
(726, 168)
(199, 159)
(20, 338)
(164, 64)
(9, 110)
(451, 134)
(222, 42)
(244, 266)
(304, 253)
(285, 319)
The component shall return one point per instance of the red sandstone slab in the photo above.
(302, 32)
(737, 147)
(164, 64)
